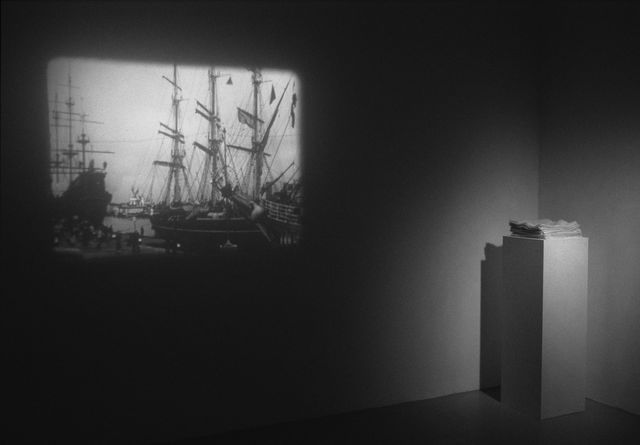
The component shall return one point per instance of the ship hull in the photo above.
(137, 211)
(284, 222)
(208, 234)
(86, 199)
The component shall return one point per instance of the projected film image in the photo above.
(156, 159)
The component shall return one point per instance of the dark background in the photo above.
(422, 133)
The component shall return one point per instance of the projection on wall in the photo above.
(157, 158)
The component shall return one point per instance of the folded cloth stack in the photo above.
(545, 228)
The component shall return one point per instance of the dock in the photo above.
(148, 248)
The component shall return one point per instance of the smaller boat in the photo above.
(137, 206)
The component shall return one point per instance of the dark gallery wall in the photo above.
(590, 172)
(420, 142)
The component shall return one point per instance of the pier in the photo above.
(147, 248)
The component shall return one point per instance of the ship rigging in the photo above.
(229, 200)
(85, 196)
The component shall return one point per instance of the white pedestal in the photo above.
(545, 325)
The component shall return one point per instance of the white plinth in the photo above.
(545, 325)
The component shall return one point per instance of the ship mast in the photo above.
(70, 152)
(258, 140)
(177, 155)
(56, 125)
(212, 150)
(175, 152)
(214, 143)
(257, 154)
(83, 139)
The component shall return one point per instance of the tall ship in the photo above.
(80, 191)
(214, 203)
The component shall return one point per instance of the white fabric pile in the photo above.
(544, 228)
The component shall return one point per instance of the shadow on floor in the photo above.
(491, 295)
(493, 392)
(466, 418)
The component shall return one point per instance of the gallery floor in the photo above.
(474, 417)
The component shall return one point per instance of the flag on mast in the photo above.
(247, 118)
(273, 95)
